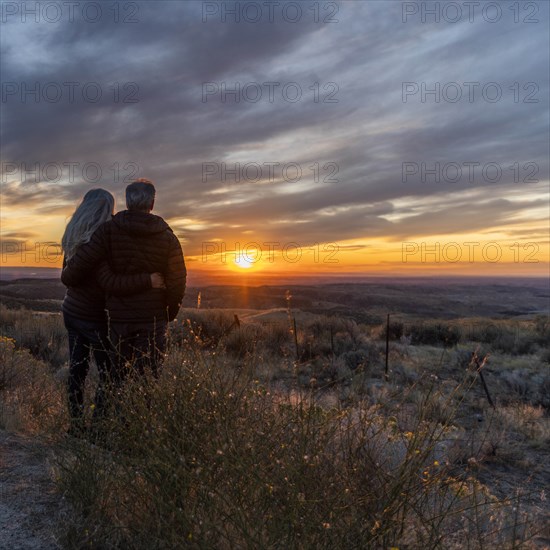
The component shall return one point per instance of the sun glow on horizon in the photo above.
(245, 261)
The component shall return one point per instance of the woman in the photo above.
(84, 305)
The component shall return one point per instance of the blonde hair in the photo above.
(96, 208)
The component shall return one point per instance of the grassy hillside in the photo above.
(259, 436)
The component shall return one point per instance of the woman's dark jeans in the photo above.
(86, 338)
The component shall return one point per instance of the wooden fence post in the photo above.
(482, 378)
(386, 373)
(295, 337)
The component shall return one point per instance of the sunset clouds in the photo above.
(335, 108)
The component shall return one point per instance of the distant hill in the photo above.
(11, 273)
(365, 302)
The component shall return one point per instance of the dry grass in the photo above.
(241, 445)
(211, 458)
(31, 399)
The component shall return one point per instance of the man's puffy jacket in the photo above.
(132, 243)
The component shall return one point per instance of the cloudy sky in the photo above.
(342, 137)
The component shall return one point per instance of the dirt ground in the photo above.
(30, 507)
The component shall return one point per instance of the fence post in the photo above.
(482, 378)
(386, 375)
(295, 338)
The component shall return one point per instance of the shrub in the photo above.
(243, 340)
(435, 334)
(542, 328)
(355, 358)
(396, 331)
(221, 461)
(206, 326)
(31, 399)
(515, 343)
(44, 335)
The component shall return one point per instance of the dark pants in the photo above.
(138, 349)
(86, 338)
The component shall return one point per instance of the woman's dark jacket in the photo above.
(86, 300)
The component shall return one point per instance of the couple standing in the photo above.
(125, 277)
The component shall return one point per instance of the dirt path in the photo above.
(30, 507)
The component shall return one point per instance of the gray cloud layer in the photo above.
(369, 133)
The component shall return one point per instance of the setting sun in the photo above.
(244, 261)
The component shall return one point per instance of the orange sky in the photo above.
(489, 254)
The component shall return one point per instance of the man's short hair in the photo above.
(140, 195)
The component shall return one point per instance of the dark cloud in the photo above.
(369, 133)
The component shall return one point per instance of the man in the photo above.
(135, 241)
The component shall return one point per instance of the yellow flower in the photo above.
(7, 341)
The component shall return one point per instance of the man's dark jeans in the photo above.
(85, 338)
(138, 348)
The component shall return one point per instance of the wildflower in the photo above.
(7, 342)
